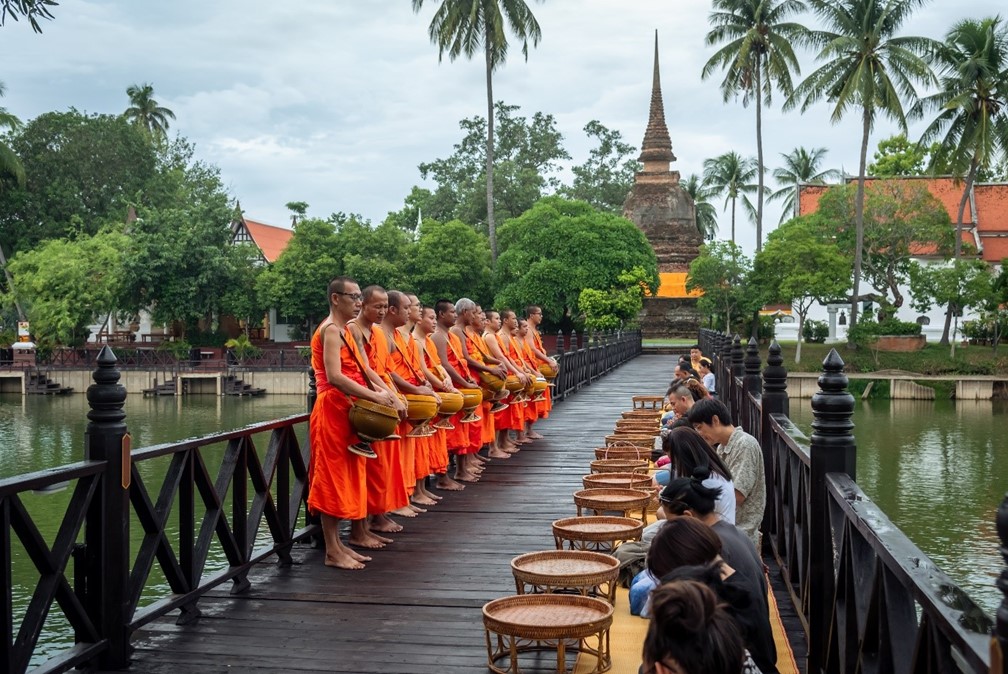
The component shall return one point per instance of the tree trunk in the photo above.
(859, 218)
(491, 225)
(759, 159)
(801, 326)
(733, 220)
(970, 177)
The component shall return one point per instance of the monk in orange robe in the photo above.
(497, 339)
(452, 357)
(384, 474)
(534, 315)
(426, 447)
(337, 477)
(529, 358)
(440, 380)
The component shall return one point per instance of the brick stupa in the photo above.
(663, 210)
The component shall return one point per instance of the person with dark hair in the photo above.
(691, 633)
(742, 453)
(691, 497)
(707, 376)
(695, 354)
(683, 371)
(741, 602)
(688, 452)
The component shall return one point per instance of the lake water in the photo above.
(937, 469)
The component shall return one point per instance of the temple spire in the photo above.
(656, 150)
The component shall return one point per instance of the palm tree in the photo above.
(866, 67)
(971, 126)
(10, 164)
(801, 166)
(460, 27)
(706, 213)
(145, 111)
(757, 56)
(731, 175)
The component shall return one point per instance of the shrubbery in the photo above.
(815, 332)
(865, 332)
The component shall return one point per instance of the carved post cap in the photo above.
(106, 395)
(752, 359)
(832, 409)
(774, 375)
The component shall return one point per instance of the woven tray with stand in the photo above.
(613, 499)
(547, 622)
(606, 480)
(600, 533)
(592, 574)
(620, 465)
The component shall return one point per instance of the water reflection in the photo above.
(939, 470)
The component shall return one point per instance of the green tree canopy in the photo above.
(615, 307)
(798, 268)
(81, 173)
(897, 156)
(526, 159)
(901, 218)
(559, 247)
(706, 213)
(801, 166)
(963, 284)
(731, 175)
(146, 112)
(605, 179)
(451, 260)
(722, 272)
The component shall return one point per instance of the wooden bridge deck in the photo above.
(416, 607)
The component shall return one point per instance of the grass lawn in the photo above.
(933, 359)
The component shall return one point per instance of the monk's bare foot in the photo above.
(415, 508)
(532, 435)
(431, 495)
(514, 450)
(343, 560)
(405, 511)
(356, 555)
(383, 539)
(366, 542)
(423, 500)
(499, 454)
(446, 483)
(385, 525)
(466, 477)
(479, 457)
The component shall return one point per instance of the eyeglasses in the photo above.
(356, 297)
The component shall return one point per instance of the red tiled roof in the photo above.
(271, 240)
(990, 200)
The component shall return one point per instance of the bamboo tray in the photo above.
(613, 499)
(562, 569)
(623, 465)
(598, 533)
(643, 440)
(622, 452)
(607, 480)
(547, 616)
(642, 414)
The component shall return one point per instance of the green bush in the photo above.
(865, 332)
(981, 330)
(815, 332)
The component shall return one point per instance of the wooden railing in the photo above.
(868, 598)
(584, 359)
(89, 570)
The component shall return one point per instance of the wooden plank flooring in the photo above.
(416, 607)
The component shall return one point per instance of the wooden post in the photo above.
(106, 535)
(774, 401)
(751, 367)
(999, 644)
(832, 450)
(737, 357)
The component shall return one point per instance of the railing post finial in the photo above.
(737, 357)
(751, 365)
(775, 397)
(106, 533)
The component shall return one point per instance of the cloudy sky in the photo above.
(336, 102)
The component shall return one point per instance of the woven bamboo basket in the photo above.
(547, 616)
(622, 452)
(613, 499)
(606, 480)
(564, 569)
(619, 465)
(639, 440)
(597, 529)
(642, 414)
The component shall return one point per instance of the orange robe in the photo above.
(336, 476)
(509, 418)
(459, 440)
(543, 407)
(528, 356)
(384, 474)
(405, 363)
(486, 429)
(438, 443)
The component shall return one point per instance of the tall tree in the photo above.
(605, 179)
(897, 156)
(866, 67)
(732, 175)
(459, 28)
(801, 166)
(706, 213)
(10, 164)
(757, 56)
(972, 119)
(33, 10)
(146, 112)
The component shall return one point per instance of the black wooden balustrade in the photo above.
(868, 598)
(102, 587)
